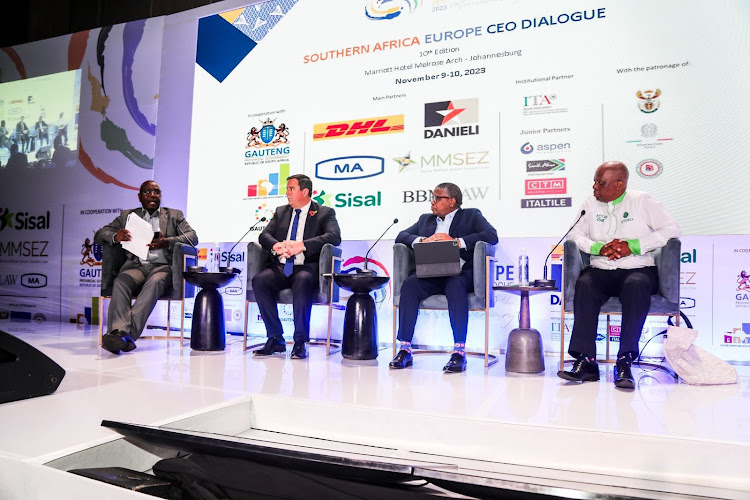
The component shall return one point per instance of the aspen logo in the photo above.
(546, 186)
(360, 127)
(349, 167)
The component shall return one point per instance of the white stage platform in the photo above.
(532, 433)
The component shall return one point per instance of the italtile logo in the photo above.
(461, 113)
(544, 166)
(349, 168)
(359, 127)
(546, 202)
(21, 221)
(384, 10)
(347, 200)
(648, 101)
(546, 186)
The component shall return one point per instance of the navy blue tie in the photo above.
(289, 265)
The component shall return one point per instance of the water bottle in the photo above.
(523, 268)
(212, 261)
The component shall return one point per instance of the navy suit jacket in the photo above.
(321, 227)
(468, 223)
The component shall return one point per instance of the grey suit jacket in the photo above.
(172, 224)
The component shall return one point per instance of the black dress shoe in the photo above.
(129, 343)
(273, 345)
(115, 342)
(456, 364)
(623, 376)
(583, 371)
(402, 360)
(299, 350)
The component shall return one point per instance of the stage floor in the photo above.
(664, 440)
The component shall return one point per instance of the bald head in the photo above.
(610, 181)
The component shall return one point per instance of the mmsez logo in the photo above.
(24, 248)
(23, 220)
(347, 200)
(423, 195)
(358, 128)
(349, 167)
(440, 162)
(438, 116)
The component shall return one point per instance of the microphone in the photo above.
(551, 283)
(365, 270)
(234, 270)
(191, 268)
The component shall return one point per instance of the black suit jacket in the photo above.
(468, 223)
(321, 227)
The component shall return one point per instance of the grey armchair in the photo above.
(114, 256)
(481, 299)
(327, 294)
(666, 302)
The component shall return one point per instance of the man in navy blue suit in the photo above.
(448, 221)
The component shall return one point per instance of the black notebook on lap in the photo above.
(437, 258)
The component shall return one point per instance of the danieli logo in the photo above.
(438, 116)
(648, 100)
(383, 10)
(349, 167)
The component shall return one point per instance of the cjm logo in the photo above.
(34, 280)
(349, 167)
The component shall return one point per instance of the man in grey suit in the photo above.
(146, 278)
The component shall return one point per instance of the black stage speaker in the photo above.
(24, 371)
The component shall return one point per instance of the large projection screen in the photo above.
(516, 102)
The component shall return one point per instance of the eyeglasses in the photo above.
(435, 198)
(151, 191)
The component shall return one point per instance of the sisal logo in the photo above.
(451, 118)
(360, 127)
(21, 221)
(546, 186)
(347, 200)
(349, 167)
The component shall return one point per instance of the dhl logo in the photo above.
(358, 128)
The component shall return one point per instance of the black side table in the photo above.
(360, 340)
(524, 353)
(209, 332)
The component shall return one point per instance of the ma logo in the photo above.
(350, 167)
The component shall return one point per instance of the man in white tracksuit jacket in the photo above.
(620, 229)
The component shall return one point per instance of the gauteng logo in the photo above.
(268, 135)
(91, 253)
(648, 100)
(349, 167)
(358, 128)
(451, 118)
(382, 10)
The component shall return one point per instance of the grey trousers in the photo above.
(145, 282)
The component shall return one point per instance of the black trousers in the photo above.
(594, 287)
(268, 283)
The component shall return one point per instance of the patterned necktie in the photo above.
(289, 264)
